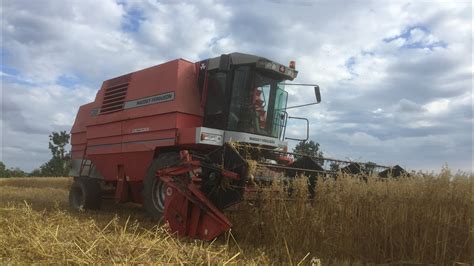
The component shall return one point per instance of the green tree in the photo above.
(59, 164)
(17, 172)
(4, 172)
(12, 172)
(35, 173)
(57, 144)
(310, 148)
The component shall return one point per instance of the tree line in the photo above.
(58, 165)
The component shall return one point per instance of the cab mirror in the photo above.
(317, 93)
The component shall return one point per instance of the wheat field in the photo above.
(421, 219)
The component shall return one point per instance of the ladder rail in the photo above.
(85, 163)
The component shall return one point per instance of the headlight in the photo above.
(211, 137)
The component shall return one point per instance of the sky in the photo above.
(395, 76)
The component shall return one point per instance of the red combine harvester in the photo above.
(176, 138)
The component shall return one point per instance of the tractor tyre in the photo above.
(85, 193)
(154, 190)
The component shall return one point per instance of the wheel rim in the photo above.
(159, 194)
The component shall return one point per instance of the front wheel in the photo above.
(154, 190)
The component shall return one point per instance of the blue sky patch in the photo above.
(350, 64)
(132, 20)
(68, 81)
(407, 35)
(10, 70)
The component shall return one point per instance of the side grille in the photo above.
(115, 93)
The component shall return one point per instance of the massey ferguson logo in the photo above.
(165, 97)
(262, 140)
(202, 66)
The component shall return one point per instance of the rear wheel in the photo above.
(85, 193)
(154, 190)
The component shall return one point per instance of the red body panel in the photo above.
(123, 142)
(137, 116)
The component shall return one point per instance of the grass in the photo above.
(35, 236)
(36, 226)
(418, 220)
(424, 219)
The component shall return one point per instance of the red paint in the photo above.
(129, 137)
(121, 142)
(187, 210)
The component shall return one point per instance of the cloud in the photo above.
(407, 106)
(30, 114)
(396, 77)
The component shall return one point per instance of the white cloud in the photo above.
(396, 75)
(30, 114)
(436, 107)
(419, 36)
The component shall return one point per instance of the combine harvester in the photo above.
(177, 138)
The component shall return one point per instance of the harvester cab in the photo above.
(178, 138)
(244, 96)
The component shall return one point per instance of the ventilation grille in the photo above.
(115, 93)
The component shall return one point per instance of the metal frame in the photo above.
(307, 128)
